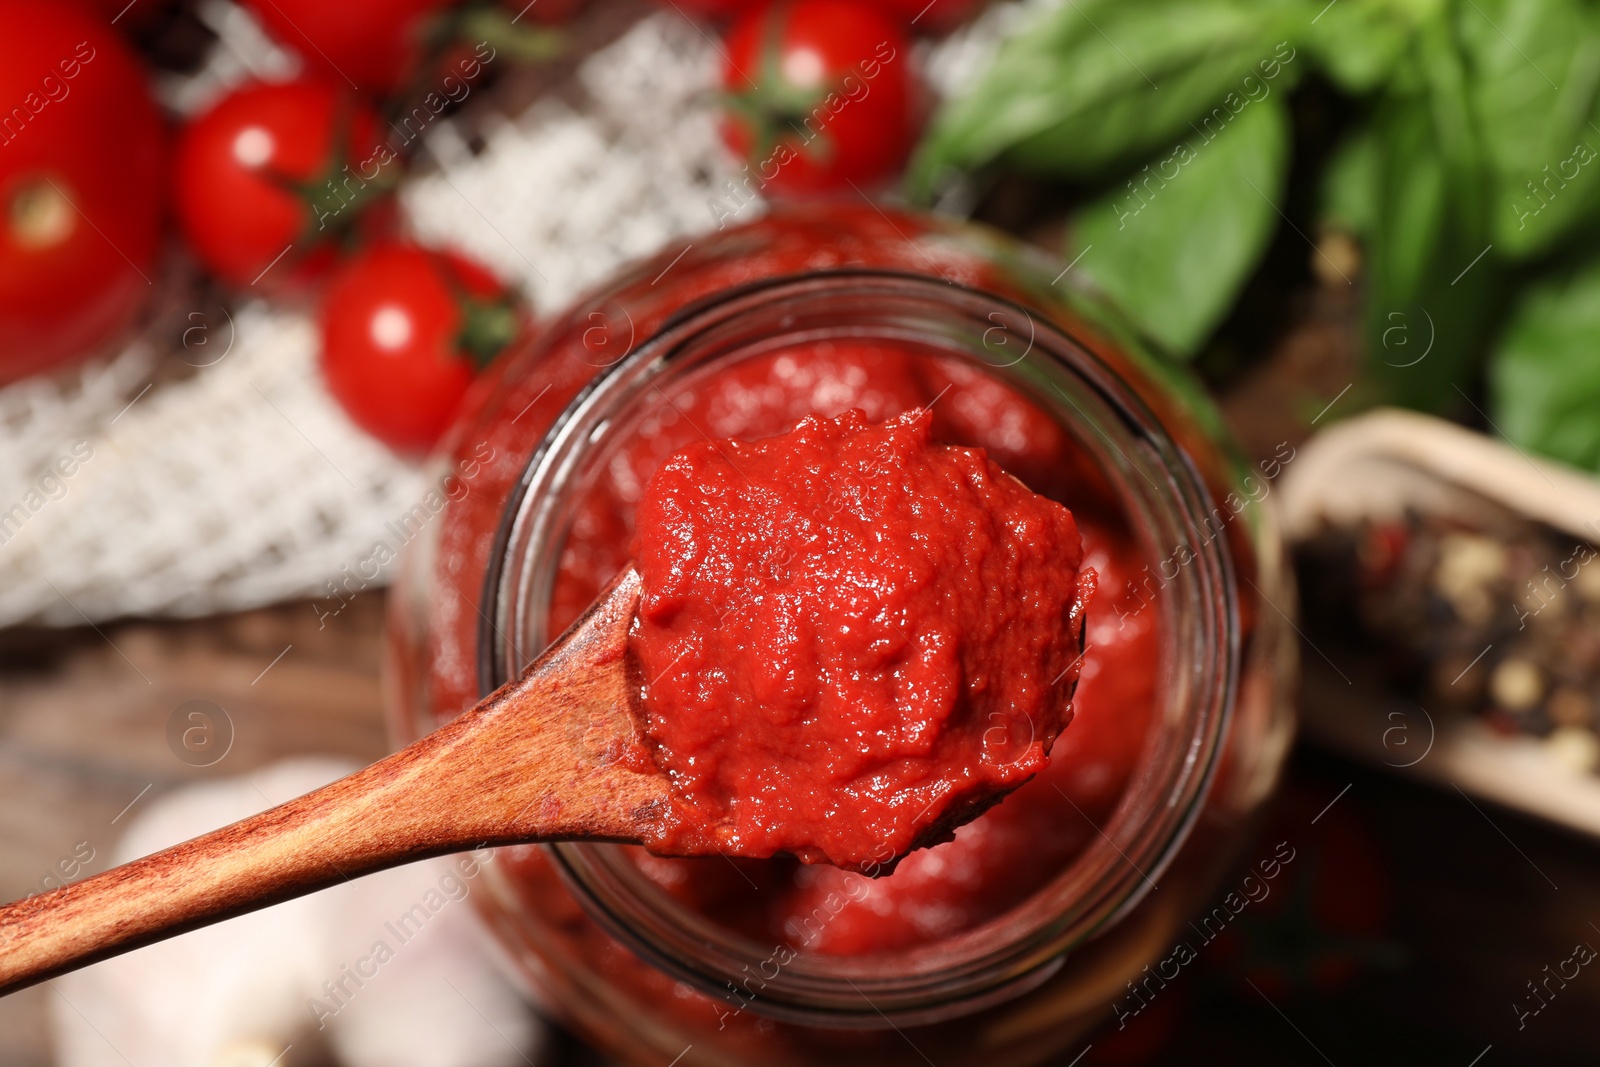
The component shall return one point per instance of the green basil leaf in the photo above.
(1350, 189)
(1360, 44)
(1544, 379)
(1533, 83)
(1434, 283)
(1413, 205)
(1124, 129)
(1173, 246)
(1096, 83)
(1455, 129)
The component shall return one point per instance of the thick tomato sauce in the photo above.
(1004, 856)
(853, 638)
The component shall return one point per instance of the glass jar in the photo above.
(1037, 923)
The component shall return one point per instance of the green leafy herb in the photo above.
(1413, 206)
(1534, 75)
(1350, 188)
(1360, 43)
(1434, 281)
(1473, 164)
(1096, 83)
(1544, 377)
(1172, 247)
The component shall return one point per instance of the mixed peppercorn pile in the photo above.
(1500, 619)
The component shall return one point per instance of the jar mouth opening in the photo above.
(1167, 506)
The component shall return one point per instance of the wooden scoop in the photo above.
(537, 760)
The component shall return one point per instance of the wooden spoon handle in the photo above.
(540, 759)
(354, 826)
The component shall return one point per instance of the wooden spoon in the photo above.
(537, 760)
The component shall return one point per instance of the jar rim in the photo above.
(1106, 879)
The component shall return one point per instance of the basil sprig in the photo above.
(1471, 177)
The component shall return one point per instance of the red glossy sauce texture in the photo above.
(853, 638)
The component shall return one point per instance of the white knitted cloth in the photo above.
(244, 483)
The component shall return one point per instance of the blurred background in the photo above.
(254, 254)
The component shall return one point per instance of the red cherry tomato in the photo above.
(80, 185)
(369, 44)
(404, 331)
(820, 96)
(267, 177)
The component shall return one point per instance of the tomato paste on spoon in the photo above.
(851, 638)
